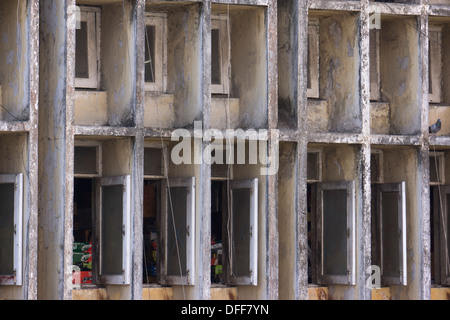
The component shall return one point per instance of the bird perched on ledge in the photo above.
(435, 128)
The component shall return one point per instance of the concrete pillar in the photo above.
(55, 172)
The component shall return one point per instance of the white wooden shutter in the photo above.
(11, 215)
(391, 219)
(177, 263)
(243, 235)
(336, 224)
(114, 229)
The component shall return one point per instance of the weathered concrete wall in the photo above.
(446, 61)
(339, 56)
(379, 118)
(184, 64)
(118, 67)
(116, 156)
(287, 212)
(249, 65)
(14, 55)
(159, 110)
(225, 113)
(440, 112)
(91, 108)
(400, 86)
(287, 61)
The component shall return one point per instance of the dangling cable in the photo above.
(441, 211)
(165, 171)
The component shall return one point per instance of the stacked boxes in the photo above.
(82, 262)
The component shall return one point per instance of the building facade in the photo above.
(242, 149)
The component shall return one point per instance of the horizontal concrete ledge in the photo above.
(335, 137)
(335, 5)
(223, 293)
(158, 133)
(440, 293)
(439, 10)
(153, 293)
(157, 293)
(89, 294)
(104, 131)
(439, 140)
(244, 2)
(290, 135)
(396, 8)
(383, 293)
(317, 293)
(382, 139)
(15, 126)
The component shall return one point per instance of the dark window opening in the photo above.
(310, 205)
(81, 55)
(150, 54)
(6, 228)
(218, 212)
(150, 225)
(216, 66)
(83, 210)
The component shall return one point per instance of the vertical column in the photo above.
(32, 263)
(424, 245)
(55, 170)
(364, 219)
(204, 256)
(138, 153)
(272, 218)
(302, 147)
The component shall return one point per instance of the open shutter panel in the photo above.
(336, 233)
(392, 232)
(11, 217)
(444, 238)
(243, 240)
(178, 232)
(115, 230)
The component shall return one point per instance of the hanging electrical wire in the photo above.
(441, 211)
(166, 177)
(229, 143)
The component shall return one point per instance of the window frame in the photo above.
(98, 146)
(159, 21)
(435, 65)
(378, 153)
(319, 164)
(350, 277)
(375, 72)
(164, 159)
(443, 263)
(399, 188)
(125, 277)
(226, 148)
(221, 22)
(16, 277)
(91, 15)
(252, 278)
(440, 156)
(188, 278)
(313, 45)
